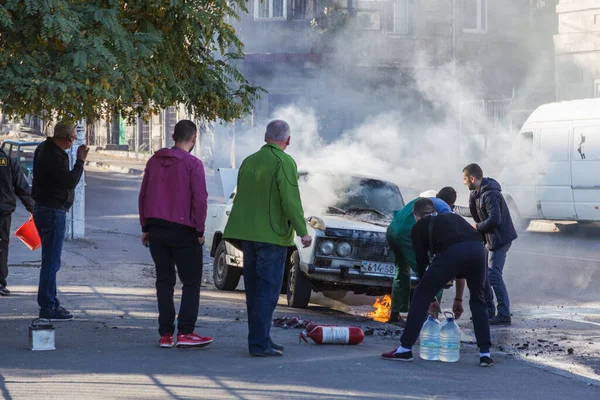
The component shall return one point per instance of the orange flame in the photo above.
(382, 308)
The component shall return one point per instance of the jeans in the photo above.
(465, 260)
(51, 224)
(496, 261)
(169, 249)
(264, 266)
(5, 220)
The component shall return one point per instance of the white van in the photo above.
(556, 174)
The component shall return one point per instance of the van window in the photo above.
(586, 144)
(554, 144)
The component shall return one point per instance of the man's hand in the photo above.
(457, 308)
(145, 238)
(434, 309)
(82, 152)
(306, 241)
(201, 240)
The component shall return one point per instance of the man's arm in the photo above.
(59, 172)
(21, 186)
(457, 307)
(492, 206)
(142, 199)
(287, 182)
(420, 244)
(462, 211)
(199, 197)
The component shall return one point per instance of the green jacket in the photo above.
(267, 207)
(399, 235)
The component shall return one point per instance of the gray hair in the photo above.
(63, 130)
(277, 131)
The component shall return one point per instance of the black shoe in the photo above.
(500, 320)
(486, 361)
(393, 356)
(277, 347)
(57, 314)
(4, 291)
(270, 352)
(396, 319)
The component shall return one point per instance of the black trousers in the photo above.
(172, 249)
(5, 221)
(464, 260)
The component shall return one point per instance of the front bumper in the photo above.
(350, 275)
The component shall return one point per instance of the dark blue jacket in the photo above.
(490, 211)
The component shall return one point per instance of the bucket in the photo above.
(29, 235)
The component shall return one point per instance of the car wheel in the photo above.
(299, 286)
(521, 224)
(335, 294)
(225, 276)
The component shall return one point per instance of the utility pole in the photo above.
(76, 216)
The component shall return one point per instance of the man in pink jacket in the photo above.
(172, 204)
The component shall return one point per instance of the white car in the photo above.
(347, 216)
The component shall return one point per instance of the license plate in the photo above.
(378, 268)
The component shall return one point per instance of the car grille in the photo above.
(372, 251)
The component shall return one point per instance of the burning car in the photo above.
(347, 215)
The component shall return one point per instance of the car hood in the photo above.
(355, 223)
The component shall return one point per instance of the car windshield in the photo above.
(350, 195)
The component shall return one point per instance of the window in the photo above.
(270, 9)
(299, 11)
(404, 17)
(586, 144)
(475, 15)
(524, 147)
(554, 144)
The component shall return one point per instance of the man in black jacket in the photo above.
(54, 192)
(490, 211)
(12, 184)
(457, 252)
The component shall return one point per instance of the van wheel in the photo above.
(225, 276)
(521, 224)
(299, 287)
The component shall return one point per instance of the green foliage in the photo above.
(91, 58)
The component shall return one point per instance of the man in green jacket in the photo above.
(266, 212)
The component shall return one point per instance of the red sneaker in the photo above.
(166, 341)
(193, 340)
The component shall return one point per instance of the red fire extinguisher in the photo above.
(312, 325)
(334, 335)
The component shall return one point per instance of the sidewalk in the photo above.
(116, 164)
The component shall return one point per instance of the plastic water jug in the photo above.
(449, 340)
(429, 340)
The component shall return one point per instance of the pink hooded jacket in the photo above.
(174, 190)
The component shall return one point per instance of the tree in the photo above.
(90, 59)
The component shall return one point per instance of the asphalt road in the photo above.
(551, 275)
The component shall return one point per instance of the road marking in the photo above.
(557, 256)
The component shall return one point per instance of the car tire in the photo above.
(225, 276)
(336, 295)
(299, 287)
(521, 224)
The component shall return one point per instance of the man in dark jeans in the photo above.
(266, 212)
(458, 252)
(172, 205)
(490, 211)
(12, 182)
(54, 192)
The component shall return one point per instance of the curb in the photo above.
(114, 168)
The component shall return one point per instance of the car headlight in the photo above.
(327, 247)
(344, 249)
